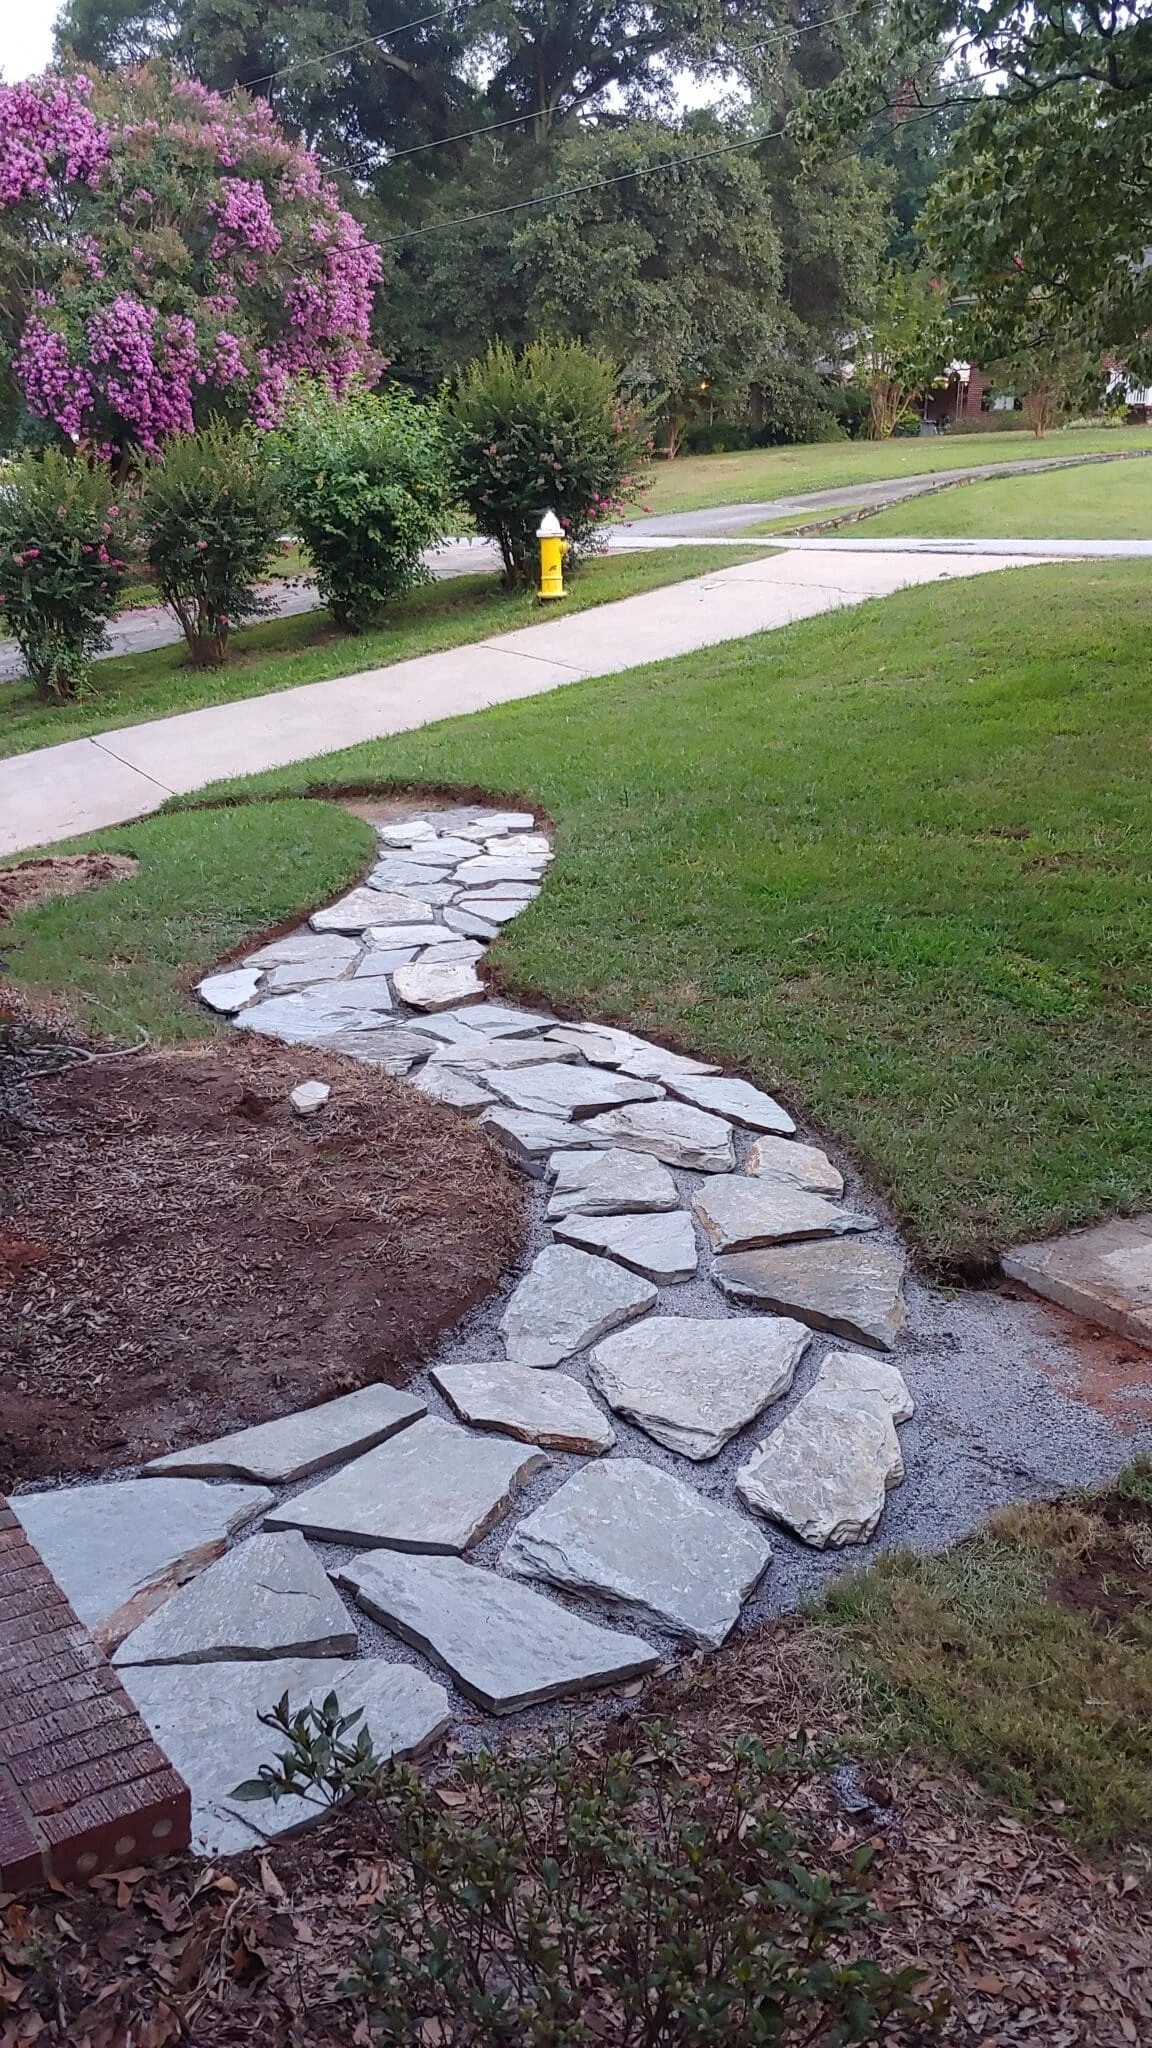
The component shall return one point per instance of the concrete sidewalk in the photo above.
(59, 792)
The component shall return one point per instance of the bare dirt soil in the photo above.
(36, 881)
(1026, 1944)
(181, 1253)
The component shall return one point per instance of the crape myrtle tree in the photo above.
(167, 255)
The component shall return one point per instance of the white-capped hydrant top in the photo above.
(549, 528)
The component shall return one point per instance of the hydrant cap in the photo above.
(549, 528)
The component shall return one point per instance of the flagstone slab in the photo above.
(672, 1131)
(460, 919)
(647, 1545)
(694, 1382)
(204, 1716)
(399, 871)
(303, 946)
(429, 895)
(609, 1184)
(408, 834)
(484, 824)
(479, 1050)
(518, 846)
(433, 1487)
(364, 907)
(364, 992)
(437, 987)
(737, 1100)
(851, 1288)
(555, 1089)
(378, 961)
(531, 1140)
(607, 1046)
(661, 1247)
(1104, 1274)
(444, 847)
(297, 1446)
(500, 1020)
(826, 1471)
(495, 910)
(449, 948)
(448, 1084)
(566, 1300)
(546, 1408)
(515, 892)
(118, 1549)
(300, 974)
(270, 1597)
(506, 1646)
(805, 1165)
(739, 1213)
(482, 870)
(309, 1097)
(229, 992)
(857, 1372)
(383, 938)
(394, 1048)
(298, 1020)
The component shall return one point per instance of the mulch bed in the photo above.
(68, 874)
(181, 1253)
(1029, 1944)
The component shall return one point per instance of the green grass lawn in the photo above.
(1112, 501)
(309, 649)
(695, 480)
(893, 862)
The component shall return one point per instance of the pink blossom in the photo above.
(47, 130)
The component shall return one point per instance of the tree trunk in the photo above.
(887, 400)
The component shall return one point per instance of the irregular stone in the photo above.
(362, 908)
(661, 1247)
(605, 1046)
(518, 846)
(360, 992)
(309, 1096)
(558, 1090)
(853, 1372)
(530, 1140)
(805, 1165)
(739, 1213)
(609, 1184)
(433, 1487)
(849, 1288)
(444, 848)
(466, 922)
(670, 1131)
(303, 946)
(826, 1471)
(479, 1052)
(376, 963)
(397, 871)
(449, 950)
(118, 1550)
(738, 1100)
(482, 869)
(505, 1646)
(296, 1446)
(500, 1020)
(488, 822)
(694, 1382)
(654, 1063)
(229, 991)
(408, 834)
(633, 1536)
(567, 1300)
(448, 1085)
(204, 1717)
(495, 909)
(389, 937)
(301, 1020)
(1104, 1274)
(546, 1408)
(391, 1047)
(299, 974)
(270, 1597)
(437, 987)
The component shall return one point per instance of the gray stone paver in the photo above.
(270, 1597)
(546, 1408)
(298, 1445)
(662, 1246)
(740, 1212)
(609, 1184)
(566, 1300)
(433, 1487)
(825, 1472)
(694, 1383)
(850, 1287)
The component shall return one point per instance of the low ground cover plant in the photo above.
(61, 567)
(567, 1897)
(210, 517)
(543, 431)
(367, 490)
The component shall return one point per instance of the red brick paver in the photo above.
(83, 1787)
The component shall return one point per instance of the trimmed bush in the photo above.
(367, 490)
(210, 517)
(61, 567)
(545, 431)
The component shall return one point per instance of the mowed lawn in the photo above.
(692, 481)
(892, 862)
(1105, 501)
(309, 649)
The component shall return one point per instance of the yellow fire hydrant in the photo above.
(553, 548)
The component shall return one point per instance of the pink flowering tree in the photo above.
(168, 255)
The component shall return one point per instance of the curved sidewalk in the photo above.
(114, 777)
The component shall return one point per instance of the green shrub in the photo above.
(565, 1897)
(61, 566)
(538, 432)
(367, 490)
(210, 517)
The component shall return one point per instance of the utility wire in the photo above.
(346, 49)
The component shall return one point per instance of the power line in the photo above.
(346, 49)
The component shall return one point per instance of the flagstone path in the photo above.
(676, 1414)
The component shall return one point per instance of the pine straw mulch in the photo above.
(1032, 1946)
(180, 1253)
